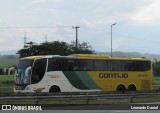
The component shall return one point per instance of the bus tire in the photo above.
(121, 88)
(54, 89)
(131, 87)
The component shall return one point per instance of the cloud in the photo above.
(45, 1)
(94, 24)
(14, 38)
(45, 8)
(88, 24)
(93, 17)
(147, 14)
(39, 1)
(116, 43)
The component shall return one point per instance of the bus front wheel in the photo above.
(54, 89)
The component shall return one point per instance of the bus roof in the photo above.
(32, 57)
(101, 56)
(85, 56)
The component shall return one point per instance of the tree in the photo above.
(55, 48)
(156, 68)
(83, 48)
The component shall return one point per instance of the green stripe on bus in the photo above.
(75, 80)
(86, 79)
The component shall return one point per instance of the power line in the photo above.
(39, 27)
(127, 36)
(16, 27)
(137, 38)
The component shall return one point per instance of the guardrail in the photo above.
(87, 97)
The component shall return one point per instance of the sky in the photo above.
(137, 28)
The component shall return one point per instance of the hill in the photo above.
(8, 60)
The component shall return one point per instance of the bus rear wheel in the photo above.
(121, 88)
(131, 87)
(54, 89)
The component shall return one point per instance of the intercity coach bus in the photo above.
(82, 73)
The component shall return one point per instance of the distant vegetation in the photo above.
(55, 48)
(156, 68)
(8, 60)
(153, 57)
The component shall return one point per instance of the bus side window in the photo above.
(55, 64)
(85, 65)
(114, 65)
(100, 65)
(146, 65)
(135, 65)
(127, 66)
(71, 65)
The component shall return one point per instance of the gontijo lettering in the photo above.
(113, 75)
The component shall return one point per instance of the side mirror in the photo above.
(15, 66)
(28, 71)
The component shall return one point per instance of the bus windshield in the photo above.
(22, 77)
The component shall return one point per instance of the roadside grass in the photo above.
(6, 77)
(84, 102)
(147, 100)
(6, 80)
(156, 80)
(6, 83)
(6, 91)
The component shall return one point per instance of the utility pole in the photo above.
(25, 40)
(45, 38)
(76, 35)
(111, 37)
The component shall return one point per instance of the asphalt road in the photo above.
(106, 107)
(83, 111)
